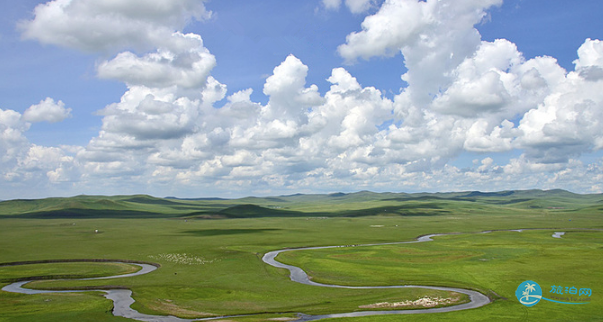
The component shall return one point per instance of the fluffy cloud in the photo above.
(433, 36)
(482, 139)
(351, 114)
(355, 6)
(167, 73)
(359, 6)
(23, 163)
(12, 139)
(331, 4)
(53, 161)
(187, 65)
(410, 23)
(289, 98)
(108, 25)
(482, 82)
(590, 54)
(47, 111)
(566, 123)
(150, 117)
(462, 95)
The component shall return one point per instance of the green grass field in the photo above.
(213, 266)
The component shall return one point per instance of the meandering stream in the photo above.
(122, 298)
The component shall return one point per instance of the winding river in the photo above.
(122, 298)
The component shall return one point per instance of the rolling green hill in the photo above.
(363, 203)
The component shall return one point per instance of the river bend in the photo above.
(122, 298)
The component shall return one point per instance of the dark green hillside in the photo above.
(137, 206)
(251, 211)
(363, 203)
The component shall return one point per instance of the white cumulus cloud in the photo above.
(187, 65)
(23, 163)
(173, 126)
(108, 25)
(47, 111)
(12, 138)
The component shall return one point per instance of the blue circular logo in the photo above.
(529, 293)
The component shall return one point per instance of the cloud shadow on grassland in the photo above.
(224, 232)
(91, 214)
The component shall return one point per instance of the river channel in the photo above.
(122, 298)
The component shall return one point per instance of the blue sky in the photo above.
(232, 98)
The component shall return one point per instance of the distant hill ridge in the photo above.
(361, 203)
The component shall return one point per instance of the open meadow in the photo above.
(210, 254)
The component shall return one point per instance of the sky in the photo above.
(232, 98)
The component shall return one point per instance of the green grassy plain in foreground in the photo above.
(214, 266)
(497, 261)
(45, 271)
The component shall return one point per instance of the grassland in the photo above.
(213, 266)
(74, 270)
